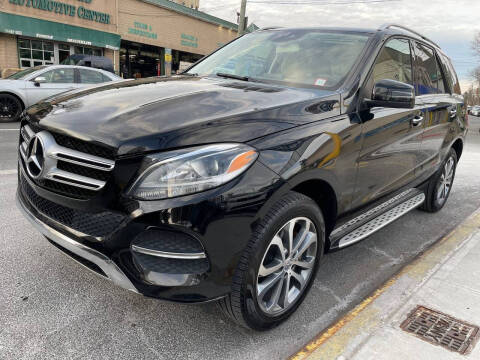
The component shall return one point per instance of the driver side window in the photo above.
(394, 62)
(59, 76)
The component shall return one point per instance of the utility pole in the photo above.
(241, 23)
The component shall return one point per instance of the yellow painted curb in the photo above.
(418, 269)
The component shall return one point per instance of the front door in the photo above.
(391, 137)
(55, 81)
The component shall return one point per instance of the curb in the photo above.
(350, 331)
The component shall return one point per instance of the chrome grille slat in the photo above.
(23, 150)
(55, 152)
(74, 179)
(79, 158)
(27, 133)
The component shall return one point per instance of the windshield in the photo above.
(24, 73)
(302, 57)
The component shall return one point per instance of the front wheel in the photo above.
(279, 264)
(10, 108)
(440, 184)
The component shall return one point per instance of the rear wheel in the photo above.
(278, 265)
(440, 184)
(10, 108)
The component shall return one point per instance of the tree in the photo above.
(476, 49)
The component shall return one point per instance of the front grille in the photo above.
(97, 224)
(83, 146)
(76, 168)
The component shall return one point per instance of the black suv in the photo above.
(230, 181)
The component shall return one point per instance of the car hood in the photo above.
(160, 113)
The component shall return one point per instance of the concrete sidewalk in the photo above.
(446, 278)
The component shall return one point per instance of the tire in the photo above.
(10, 108)
(433, 201)
(245, 305)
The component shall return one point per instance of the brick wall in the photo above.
(8, 52)
(169, 29)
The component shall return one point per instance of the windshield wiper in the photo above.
(236, 77)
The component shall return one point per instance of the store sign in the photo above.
(142, 29)
(189, 40)
(60, 8)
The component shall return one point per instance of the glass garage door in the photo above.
(35, 52)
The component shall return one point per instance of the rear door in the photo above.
(441, 107)
(391, 137)
(89, 77)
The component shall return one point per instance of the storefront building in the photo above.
(141, 37)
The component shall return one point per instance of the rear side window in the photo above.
(450, 75)
(428, 75)
(394, 62)
(106, 78)
(90, 77)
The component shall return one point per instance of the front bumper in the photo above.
(220, 222)
(84, 255)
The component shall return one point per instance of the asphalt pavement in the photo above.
(51, 308)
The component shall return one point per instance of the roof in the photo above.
(184, 10)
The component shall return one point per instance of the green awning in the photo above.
(27, 26)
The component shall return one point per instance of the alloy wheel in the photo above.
(287, 266)
(445, 181)
(9, 108)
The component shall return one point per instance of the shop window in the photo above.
(87, 51)
(35, 52)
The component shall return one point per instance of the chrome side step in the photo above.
(380, 221)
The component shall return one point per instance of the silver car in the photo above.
(29, 86)
(475, 111)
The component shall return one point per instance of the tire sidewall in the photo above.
(307, 209)
(432, 195)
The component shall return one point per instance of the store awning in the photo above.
(27, 26)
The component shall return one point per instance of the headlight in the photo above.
(191, 170)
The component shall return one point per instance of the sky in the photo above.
(450, 23)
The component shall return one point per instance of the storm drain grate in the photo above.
(441, 329)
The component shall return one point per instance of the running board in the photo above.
(379, 222)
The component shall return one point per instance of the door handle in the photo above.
(417, 120)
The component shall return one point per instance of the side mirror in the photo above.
(392, 94)
(39, 80)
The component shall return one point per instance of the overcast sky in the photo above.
(450, 23)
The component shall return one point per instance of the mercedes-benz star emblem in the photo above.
(36, 159)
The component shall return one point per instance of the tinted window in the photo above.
(394, 62)
(303, 57)
(428, 76)
(450, 75)
(90, 77)
(59, 76)
(440, 79)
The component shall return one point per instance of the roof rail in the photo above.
(388, 26)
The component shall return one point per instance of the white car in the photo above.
(27, 87)
(475, 111)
